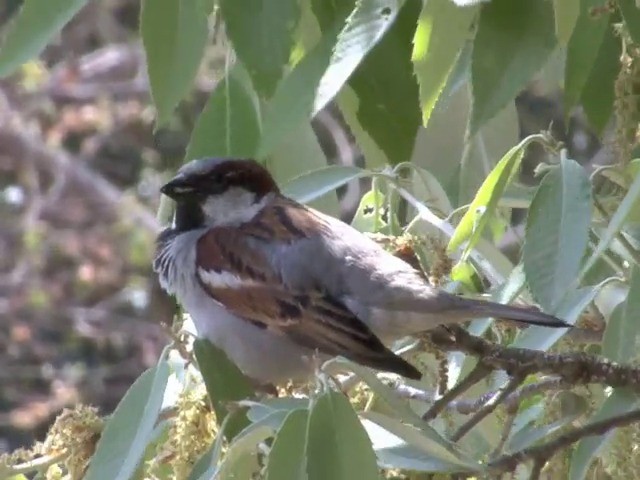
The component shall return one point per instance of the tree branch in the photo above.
(541, 453)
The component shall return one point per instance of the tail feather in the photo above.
(530, 315)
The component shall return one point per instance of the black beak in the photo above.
(178, 187)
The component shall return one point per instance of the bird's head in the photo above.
(219, 192)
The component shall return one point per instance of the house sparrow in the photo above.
(273, 282)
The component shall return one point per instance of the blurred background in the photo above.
(81, 315)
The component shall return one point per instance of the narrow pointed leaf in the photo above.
(582, 51)
(174, 35)
(225, 383)
(486, 199)
(365, 27)
(513, 41)
(311, 185)
(130, 427)
(618, 219)
(32, 29)
(228, 126)
(598, 93)
(262, 35)
(566, 14)
(442, 32)
(386, 88)
(631, 16)
(292, 102)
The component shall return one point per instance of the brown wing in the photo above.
(239, 278)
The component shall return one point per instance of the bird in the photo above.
(276, 284)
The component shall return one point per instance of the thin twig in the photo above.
(488, 407)
(466, 407)
(544, 451)
(479, 372)
(506, 431)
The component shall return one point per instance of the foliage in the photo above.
(401, 73)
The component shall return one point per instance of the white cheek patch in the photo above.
(234, 207)
(224, 279)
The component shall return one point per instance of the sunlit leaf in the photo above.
(386, 88)
(474, 220)
(442, 32)
(365, 27)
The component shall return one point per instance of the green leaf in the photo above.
(616, 223)
(442, 32)
(229, 125)
(241, 457)
(33, 28)
(531, 434)
(582, 51)
(631, 16)
(174, 35)
(587, 449)
(557, 232)
(301, 153)
(513, 41)
(293, 100)
(400, 407)
(130, 427)
(262, 35)
(402, 446)
(287, 460)
(311, 185)
(621, 335)
(484, 149)
(225, 383)
(543, 338)
(598, 93)
(364, 28)
(258, 411)
(368, 216)
(338, 447)
(566, 15)
(483, 205)
(349, 106)
(385, 85)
